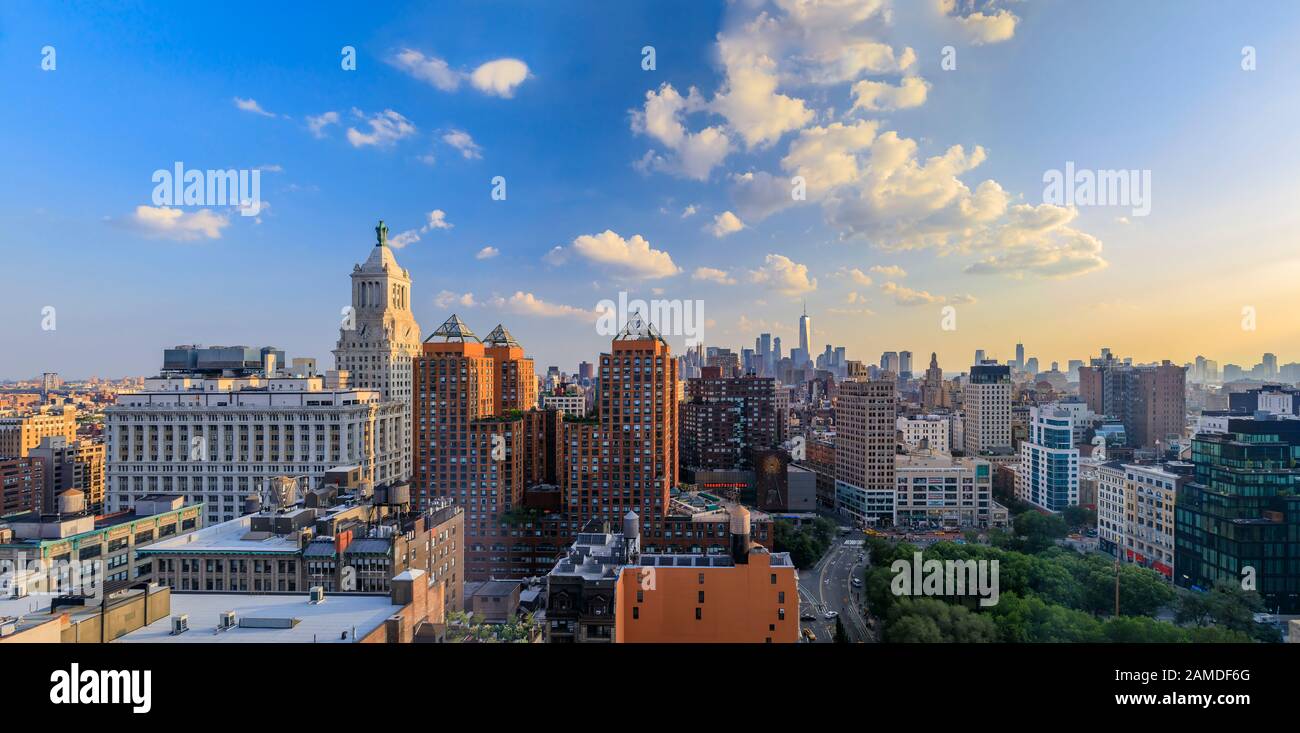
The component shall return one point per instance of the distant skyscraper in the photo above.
(1270, 366)
(805, 333)
(905, 364)
(380, 339)
(932, 392)
(889, 362)
(1020, 356)
(979, 356)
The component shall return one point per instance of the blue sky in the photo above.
(584, 150)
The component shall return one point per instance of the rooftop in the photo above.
(333, 621)
(235, 535)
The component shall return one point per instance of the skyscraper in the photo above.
(1048, 475)
(805, 333)
(905, 364)
(1020, 356)
(379, 337)
(986, 404)
(1149, 400)
(932, 392)
(866, 425)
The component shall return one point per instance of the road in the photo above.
(828, 585)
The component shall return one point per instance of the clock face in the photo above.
(772, 464)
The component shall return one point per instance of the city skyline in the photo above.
(657, 182)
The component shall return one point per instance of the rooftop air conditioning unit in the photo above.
(180, 624)
(317, 594)
(226, 620)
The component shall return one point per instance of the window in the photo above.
(636, 612)
(780, 614)
(773, 578)
(701, 596)
(699, 613)
(780, 597)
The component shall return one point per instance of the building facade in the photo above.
(866, 415)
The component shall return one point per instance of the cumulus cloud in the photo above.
(725, 223)
(784, 276)
(980, 21)
(487, 253)
(691, 154)
(386, 128)
(462, 141)
(856, 276)
(318, 123)
(877, 96)
(500, 77)
(712, 274)
(760, 194)
(631, 258)
(447, 298)
(436, 219)
(403, 239)
(906, 296)
(251, 105)
(169, 223)
(893, 271)
(527, 304)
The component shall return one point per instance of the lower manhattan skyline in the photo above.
(669, 218)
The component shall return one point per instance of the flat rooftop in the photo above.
(323, 623)
(235, 535)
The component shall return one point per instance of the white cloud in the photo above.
(169, 223)
(632, 258)
(906, 296)
(386, 128)
(784, 276)
(893, 271)
(436, 219)
(461, 140)
(251, 105)
(693, 154)
(403, 239)
(447, 298)
(877, 96)
(689, 211)
(749, 98)
(857, 276)
(759, 195)
(712, 274)
(527, 304)
(429, 69)
(318, 123)
(980, 21)
(487, 253)
(726, 223)
(500, 77)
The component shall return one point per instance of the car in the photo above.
(807, 616)
(830, 614)
(809, 635)
(857, 582)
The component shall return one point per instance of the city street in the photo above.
(828, 586)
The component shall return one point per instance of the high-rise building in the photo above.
(889, 362)
(1020, 356)
(932, 390)
(905, 364)
(22, 481)
(986, 409)
(379, 337)
(1239, 515)
(1150, 400)
(19, 434)
(866, 413)
(805, 333)
(626, 458)
(1048, 474)
(77, 464)
(218, 439)
(724, 419)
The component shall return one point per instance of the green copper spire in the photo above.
(381, 232)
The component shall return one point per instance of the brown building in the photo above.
(20, 434)
(866, 436)
(724, 419)
(626, 458)
(1150, 400)
(22, 482)
(77, 464)
(819, 457)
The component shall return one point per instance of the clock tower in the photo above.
(380, 336)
